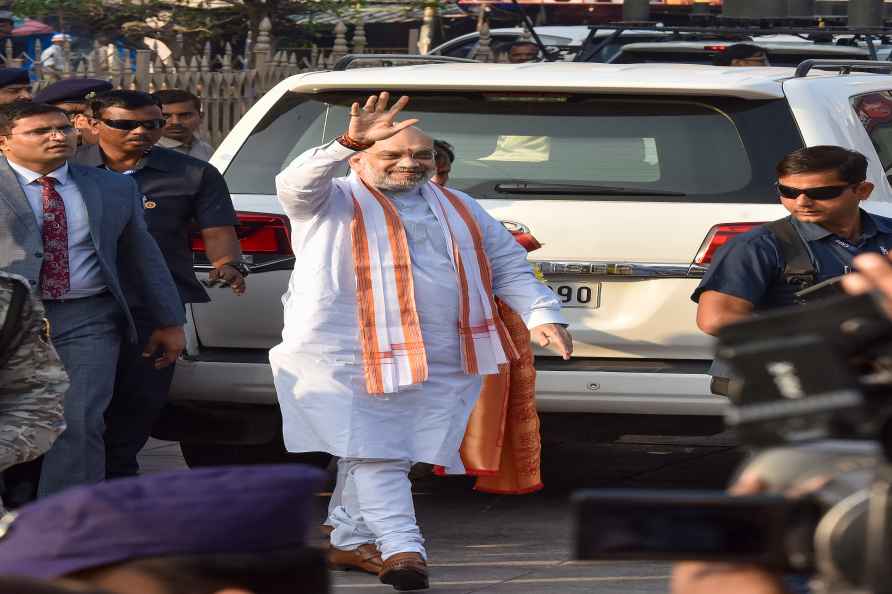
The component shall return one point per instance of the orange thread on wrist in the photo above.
(353, 144)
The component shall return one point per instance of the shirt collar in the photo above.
(28, 176)
(870, 226)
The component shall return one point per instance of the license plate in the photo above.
(578, 294)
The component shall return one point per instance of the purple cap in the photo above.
(73, 90)
(14, 76)
(235, 509)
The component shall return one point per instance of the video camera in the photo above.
(814, 384)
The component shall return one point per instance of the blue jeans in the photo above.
(140, 394)
(87, 334)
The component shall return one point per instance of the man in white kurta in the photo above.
(318, 367)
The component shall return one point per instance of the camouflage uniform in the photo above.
(32, 381)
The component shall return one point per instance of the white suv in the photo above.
(629, 175)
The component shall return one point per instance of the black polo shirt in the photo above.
(178, 191)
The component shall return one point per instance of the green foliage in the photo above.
(104, 19)
(229, 20)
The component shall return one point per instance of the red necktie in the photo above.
(54, 276)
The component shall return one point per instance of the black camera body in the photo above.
(820, 371)
(814, 384)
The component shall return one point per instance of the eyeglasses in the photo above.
(134, 124)
(42, 132)
(822, 193)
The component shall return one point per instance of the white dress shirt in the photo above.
(83, 263)
(53, 57)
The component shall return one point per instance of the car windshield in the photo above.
(720, 150)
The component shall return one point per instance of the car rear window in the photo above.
(668, 148)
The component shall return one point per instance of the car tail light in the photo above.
(526, 240)
(715, 48)
(522, 235)
(718, 236)
(258, 234)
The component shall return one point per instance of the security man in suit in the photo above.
(68, 229)
(178, 191)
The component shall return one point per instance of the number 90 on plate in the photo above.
(585, 295)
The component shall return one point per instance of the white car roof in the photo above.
(673, 79)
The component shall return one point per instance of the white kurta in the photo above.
(318, 367)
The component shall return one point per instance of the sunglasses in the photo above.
(822, 193)
(134, 124)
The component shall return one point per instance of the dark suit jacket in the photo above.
(118, 230)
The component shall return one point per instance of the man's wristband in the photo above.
(354, 145)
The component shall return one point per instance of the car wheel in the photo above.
(214, 454)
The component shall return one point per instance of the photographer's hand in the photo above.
(708, 578)
(874, 273)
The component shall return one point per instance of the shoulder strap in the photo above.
(798, 267)
(13, 322)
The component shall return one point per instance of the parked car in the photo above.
(630, 175)
(780, 53)
(566, 40)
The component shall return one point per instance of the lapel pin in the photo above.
(150, 204)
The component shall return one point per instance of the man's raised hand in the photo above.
(374, 122)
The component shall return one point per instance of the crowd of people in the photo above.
(95, 270)
(99, 218)
(100, 189)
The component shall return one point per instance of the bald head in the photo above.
(399, 163)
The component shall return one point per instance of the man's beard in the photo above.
(387, 183)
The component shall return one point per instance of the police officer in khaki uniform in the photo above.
(32, 378)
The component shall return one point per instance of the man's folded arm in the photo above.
(305, 185)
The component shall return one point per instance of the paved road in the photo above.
(521, 545)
